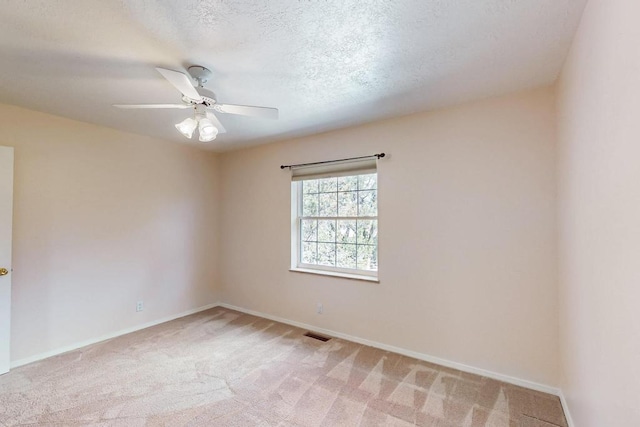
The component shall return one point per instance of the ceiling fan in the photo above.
(204, 119)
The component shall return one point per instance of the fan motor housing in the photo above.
(207, 101)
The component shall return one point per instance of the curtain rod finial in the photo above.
(381, 155)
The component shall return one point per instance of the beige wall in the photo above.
(467, 235)
(599, 181)
(151, 205)
(467, 246)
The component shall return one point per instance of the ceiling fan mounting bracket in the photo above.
(200, 74)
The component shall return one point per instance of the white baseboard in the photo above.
(416, 355)
(420, 356)
(565, 408)
(85, 343)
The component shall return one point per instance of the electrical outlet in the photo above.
(319, 308)
(139, 306)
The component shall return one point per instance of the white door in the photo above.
(6, 213)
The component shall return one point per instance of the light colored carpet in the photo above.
(224, 368)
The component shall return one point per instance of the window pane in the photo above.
(347, 183)
(328, 184)
(309, 253)
(328, 204)
(367, 203)
(310, 205)
(368, 182)
(367, 258)
(368, 232)
(332, 240)
(310, 186)
(346, 256)
(346, 231)
(348, 204)
(309, 230)
(327, 254)
(327, 231)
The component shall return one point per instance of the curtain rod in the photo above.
(378, 156)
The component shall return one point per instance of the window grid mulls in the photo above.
(338, 222)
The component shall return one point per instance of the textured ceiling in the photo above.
(324, 64)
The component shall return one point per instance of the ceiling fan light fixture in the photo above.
(203, 105)
(187, 126)
(208, 131)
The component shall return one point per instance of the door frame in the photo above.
(6, 231)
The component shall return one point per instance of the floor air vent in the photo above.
(317, 337)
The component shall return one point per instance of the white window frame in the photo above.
(296, 236)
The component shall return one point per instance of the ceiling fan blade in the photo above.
(182, 82)
(216, 122)
(135, 106)
(247, 110)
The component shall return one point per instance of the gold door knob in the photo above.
(3, 271)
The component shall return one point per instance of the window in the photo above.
(335, 222)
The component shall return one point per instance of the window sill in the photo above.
(336, 274)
